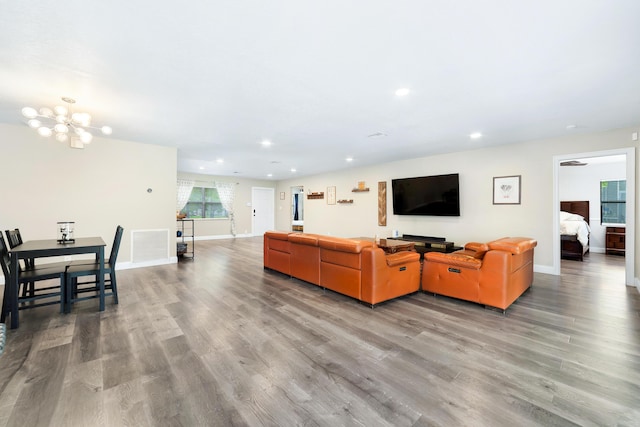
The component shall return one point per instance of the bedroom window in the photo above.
(613, 202)
(204, 203)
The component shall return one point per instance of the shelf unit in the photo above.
(615, 244)
(185, 247)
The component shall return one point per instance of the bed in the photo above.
(574, 229)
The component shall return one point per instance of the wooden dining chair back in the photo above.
(75, 289)
(49, 294)
(14, 238)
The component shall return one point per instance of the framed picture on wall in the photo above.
(331, 195)
(506, 190)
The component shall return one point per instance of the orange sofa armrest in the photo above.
(476, 249)
(454, 259)
(514, 245)
(400, 258)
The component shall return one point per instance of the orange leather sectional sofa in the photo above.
(352, 267)
(493, 274)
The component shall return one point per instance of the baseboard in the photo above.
(220, 236)
(546, 269)
(129, 265)
(597, 250)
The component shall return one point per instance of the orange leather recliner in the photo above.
(277, 251)
(493, 274)
(363, 271)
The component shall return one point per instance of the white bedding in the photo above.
(575, 225)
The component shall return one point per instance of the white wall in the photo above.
(583, 183)
(99, 187)
(480, 220)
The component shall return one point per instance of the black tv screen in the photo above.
(437, 195)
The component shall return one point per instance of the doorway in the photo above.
(629, 157)
(297, 208)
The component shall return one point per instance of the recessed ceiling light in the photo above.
(403, 91)
(571, 127)
(201, 168)
(266, 143)
(269, 175)
(349, 159)
(293, 170)
(218, 160)
(475, 135)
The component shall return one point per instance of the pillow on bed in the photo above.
(566, 216)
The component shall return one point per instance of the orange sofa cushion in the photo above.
(455, 259)
(305, 257)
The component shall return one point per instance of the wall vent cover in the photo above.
(149, 245)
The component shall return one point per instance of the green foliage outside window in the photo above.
(613, 202)
(204, 203)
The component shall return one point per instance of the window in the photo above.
(613, 202)
(204, 203)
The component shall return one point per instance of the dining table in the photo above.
(33, 249)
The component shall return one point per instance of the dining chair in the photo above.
(26, 275)
(14, 238)
(82, 268)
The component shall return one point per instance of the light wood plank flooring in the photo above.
(220, 341)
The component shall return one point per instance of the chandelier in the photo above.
(62, 122)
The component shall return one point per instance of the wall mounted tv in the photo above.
(437, 195)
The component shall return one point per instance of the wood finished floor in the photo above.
(220, 341)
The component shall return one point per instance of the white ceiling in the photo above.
(316, 78)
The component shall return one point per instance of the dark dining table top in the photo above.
(52, 245)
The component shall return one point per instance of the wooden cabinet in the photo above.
(615, 240)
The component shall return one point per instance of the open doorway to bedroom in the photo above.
(580, 180)
(297, 208)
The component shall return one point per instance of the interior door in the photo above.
(262, 208)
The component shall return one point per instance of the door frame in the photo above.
(630, 153)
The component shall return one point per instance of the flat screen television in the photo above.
(436, 195)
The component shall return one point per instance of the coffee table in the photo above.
(391, 246)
